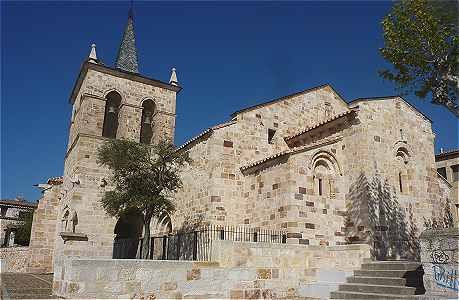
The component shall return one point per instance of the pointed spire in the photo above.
(127, 53)
(93, 55)
(173, 79)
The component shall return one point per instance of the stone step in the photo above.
(380, 273)
(357, 295)
(377, 280)
(376, 289)
(391, 265)
(32, 296)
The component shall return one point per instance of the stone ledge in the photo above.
(432, 233)
(349, 247)
(73, 236)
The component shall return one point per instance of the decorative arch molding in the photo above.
(402, 150)
(146, 99)
(325, 157)
(123, 97)
(161, 224)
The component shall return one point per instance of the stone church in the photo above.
(324, 170)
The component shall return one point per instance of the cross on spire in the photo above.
(127, 54)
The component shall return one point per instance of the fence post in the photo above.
(178, 246)
(141, 247)
(195, 245)
(164, 247)
(152, 247)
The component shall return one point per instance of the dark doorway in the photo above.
(128, 230)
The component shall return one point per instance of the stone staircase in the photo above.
(383, 280)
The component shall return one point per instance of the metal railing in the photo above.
(196, 244)
(392, 248)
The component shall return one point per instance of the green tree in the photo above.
(144, 179)
(421, 42)
(22, 236)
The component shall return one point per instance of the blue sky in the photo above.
(228, 56)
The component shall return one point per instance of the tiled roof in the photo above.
(286, 152)
(258, 162)
(18, 203)
(202, 134)
(55, 180)
(320, 124)
(446, 153)
(205, 133)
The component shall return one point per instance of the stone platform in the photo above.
(238, 270)
(26, 286)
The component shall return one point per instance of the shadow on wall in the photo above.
(375, 216)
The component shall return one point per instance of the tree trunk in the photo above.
(146, 237)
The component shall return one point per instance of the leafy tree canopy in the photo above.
(144, 178)
(421, 42)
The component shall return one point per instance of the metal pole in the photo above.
(152, 247)
(164, 247)
(178, 246)
(195, 245)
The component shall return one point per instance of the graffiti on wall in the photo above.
(442, 255)
(446, 277)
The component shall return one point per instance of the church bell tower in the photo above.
(108, 102)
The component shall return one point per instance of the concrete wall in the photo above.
(440, 260)
(240, 270)
(14, 259)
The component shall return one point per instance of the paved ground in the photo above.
(26, 286)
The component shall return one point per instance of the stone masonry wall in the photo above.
(387, 142)
(285, 196)
(14, 259)
(392, 165)
(43, 233)
(239, 271)
(84, 180)
(242, 141)
(89, 106)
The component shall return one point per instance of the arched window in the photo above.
(402, 158)
(112, 105)
(322, 174)
(146, 129)
(400, 182)
(325, 170)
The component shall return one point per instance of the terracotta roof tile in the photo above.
(320, 124)
(205, 132)
(18, 203)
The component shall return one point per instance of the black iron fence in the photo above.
(197, 244)
(125, 248)
(392, 248)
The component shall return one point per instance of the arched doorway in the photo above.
(128, 230)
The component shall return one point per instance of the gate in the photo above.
(197, 245)
(125, 248)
